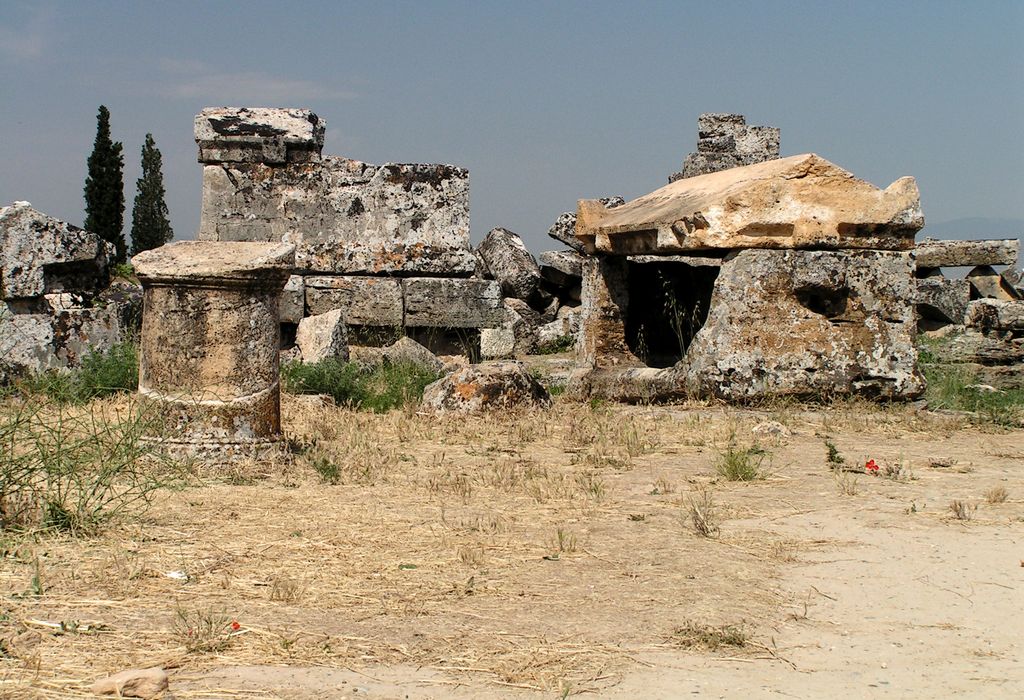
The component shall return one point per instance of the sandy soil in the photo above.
(548, 554)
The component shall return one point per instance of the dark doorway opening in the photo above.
(668, 304)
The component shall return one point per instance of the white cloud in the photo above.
(189, 79)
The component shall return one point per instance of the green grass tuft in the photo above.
(100, 374)
(379, 389)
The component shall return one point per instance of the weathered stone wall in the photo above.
(344, 216)
(388, 245)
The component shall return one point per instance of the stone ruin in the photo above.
(725, 141)
(982, 313)
(57, 299)
(386, 245)
(746, 277)
(788, 277)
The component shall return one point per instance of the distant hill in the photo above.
(974, 228)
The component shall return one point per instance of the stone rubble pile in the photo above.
(981, 314)
(56, 304)
(541, 298)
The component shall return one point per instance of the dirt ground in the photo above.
(550, 554)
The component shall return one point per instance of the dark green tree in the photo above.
(104, 188)
(151, 227)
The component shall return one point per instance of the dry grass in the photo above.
(962, 510)
(996, 494)
(526, 549)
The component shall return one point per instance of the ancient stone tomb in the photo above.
(786, 277)
(387, 245)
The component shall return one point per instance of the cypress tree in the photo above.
(151, 227)
(104, 188)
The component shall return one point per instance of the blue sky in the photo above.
(544, 102)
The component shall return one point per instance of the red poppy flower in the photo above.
(235, 626)
(870, 466)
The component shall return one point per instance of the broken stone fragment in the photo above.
(995, 315)
(322, 337)
(564, 228)
(510, 263)
(258, 135)
(133, 683)
(498, 343)
(486, 386)
(989, 284)
(798, 202)
(725, 141)
(563, 268)
(941, 299)
(935, 253)
(43, 255)
(293, 300)
(524, 322)
(405, 350)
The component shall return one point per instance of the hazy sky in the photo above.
(544, 102)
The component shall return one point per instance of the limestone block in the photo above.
(497, 343)
(365, 301)
(524, 322)
(345, 216)
(209, 350)
(602, 338)
(975, 347)
(258, 134)
(809, 323)
(35, 339)
(42, 255)
(798, 202)
(989, 284)
(554, 332)
(564, 228)
(510, 263)
(293, 300)
(943, 299)
(124, 297)
(935, 253)
(563, 268)
(322, 337)
(995, 315)
(26, 344)
(79, 332)
(486, 386)
(405, 350)
(441, 302)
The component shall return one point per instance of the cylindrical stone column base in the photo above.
(209, 377)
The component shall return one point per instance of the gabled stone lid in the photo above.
(258, 135)
(797, 202)
(214, 260)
